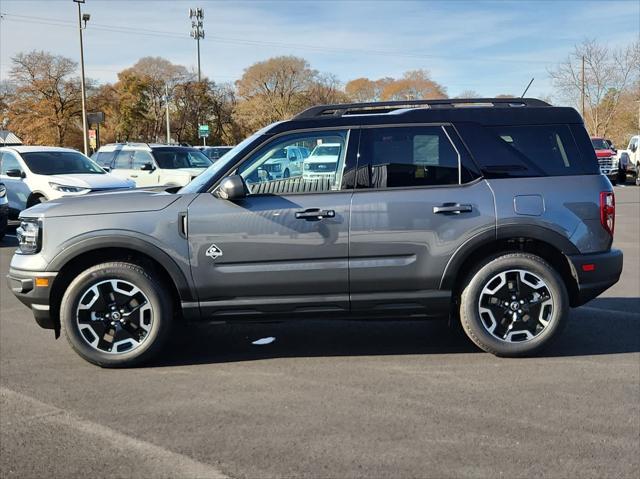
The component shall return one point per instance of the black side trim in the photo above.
(606, 272)
(534, 232)
(115, 239)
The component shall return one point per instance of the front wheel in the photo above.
(116, 314)
(513, 304)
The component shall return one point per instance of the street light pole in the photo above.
(82, 18)
(166, 102)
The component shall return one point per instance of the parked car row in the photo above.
(34, 174)
(619, 166)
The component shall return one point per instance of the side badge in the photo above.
(213, 252)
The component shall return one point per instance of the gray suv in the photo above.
(492, 212)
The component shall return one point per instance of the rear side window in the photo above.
(406, 157)
(526, 150)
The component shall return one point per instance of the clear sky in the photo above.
(491, 47)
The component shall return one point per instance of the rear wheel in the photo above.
(116, 314)
(513, 304)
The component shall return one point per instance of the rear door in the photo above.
(417, 200)
(283, 250)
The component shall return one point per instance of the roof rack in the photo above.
(390, 106)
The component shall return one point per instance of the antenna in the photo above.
(527, 89)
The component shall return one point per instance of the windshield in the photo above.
(327, 151)
(60, 163)
(215, 152)
(173, 158)
(599, 144)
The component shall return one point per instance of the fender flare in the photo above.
(535, 232)
(97, 240)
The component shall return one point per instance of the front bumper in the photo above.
(23, 285)
(602, 271)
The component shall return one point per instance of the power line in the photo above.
(240, 41)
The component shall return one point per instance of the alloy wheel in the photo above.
(515, 306)
(114, 316)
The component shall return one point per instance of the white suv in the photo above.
(153, 165)
(285, 162)
(322, 162)
(34, 174)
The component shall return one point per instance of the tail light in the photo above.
(608, 211)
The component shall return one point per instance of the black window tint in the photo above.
(123, 160)
(549, 147)
(402, 157)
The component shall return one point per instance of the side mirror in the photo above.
(148, 167)
(633, 148)
(232, 188)
(106, 168)
(16, 173)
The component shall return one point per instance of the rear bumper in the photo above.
(604, 273)
(23, 285)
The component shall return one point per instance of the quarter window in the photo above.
(298, 163)
(406, 157)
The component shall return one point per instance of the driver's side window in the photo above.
(282, 168)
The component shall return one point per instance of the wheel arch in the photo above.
(548, 244)
(89, 252)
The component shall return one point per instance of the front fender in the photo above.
(177, 267)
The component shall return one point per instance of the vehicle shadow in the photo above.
(605, 326)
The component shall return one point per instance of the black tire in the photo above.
(36, 200)
(148, 283)
(482, 275)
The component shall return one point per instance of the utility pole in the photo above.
(82, 18)
(582, 90)
(166, 103)
(197, 30)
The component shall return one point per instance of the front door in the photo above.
(415, 203)
(283, 250)
(18, 191)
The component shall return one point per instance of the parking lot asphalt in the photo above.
(333, 399)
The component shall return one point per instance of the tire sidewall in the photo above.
(470, 309)
(135, 275)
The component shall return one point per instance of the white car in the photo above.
(153, 165)
(629, 159)
(34, 174)
(322, 162)
(285, 162)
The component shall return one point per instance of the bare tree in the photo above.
(607, 75)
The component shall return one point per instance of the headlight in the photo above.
(68, 189)
(29, 236)
(3, 191)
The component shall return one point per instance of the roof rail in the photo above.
(389, 106)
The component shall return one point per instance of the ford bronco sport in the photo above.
(492, 212)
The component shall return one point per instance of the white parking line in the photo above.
(168, 463)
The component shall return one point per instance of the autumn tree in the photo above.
(469, 94)
(414, 85)
(45, 104)
(608, 75)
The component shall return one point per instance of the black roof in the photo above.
(485, 111)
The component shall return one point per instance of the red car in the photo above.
(606, 158)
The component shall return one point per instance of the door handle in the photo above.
(134, 176)
(315, 214)
(454, 208)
